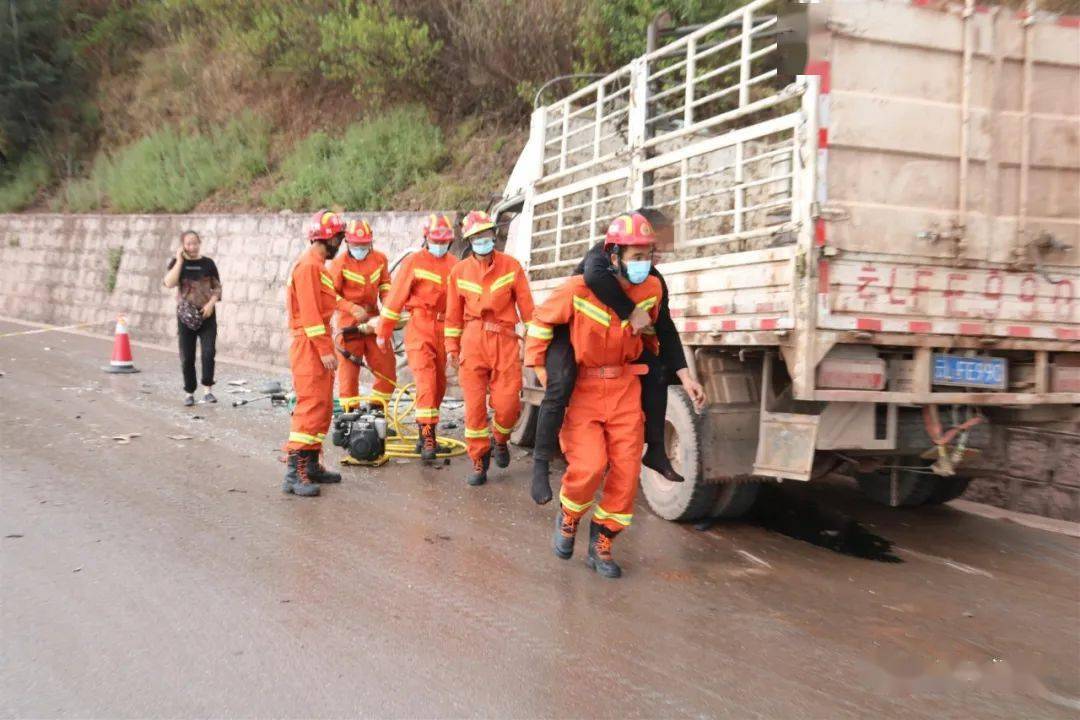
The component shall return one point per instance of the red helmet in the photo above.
(476, 222)
(438, 229)
(630, 229)
(324, 225)
(358, 232)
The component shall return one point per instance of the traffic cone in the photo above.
(121, 354)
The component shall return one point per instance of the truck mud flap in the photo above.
(786, 445)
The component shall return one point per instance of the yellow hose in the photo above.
(403, 445)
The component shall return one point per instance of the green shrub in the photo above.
(172, 171)
(376, 50)
(365, 167)
(20, 186)
(116, 255)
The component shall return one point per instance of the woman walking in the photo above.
(198, 292)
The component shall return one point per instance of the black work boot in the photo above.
(428, 446)
(501, 453)
(478, 476)
(541, 484)
(297, 480)
(656, 459)
(562, 542)
(599, 558)
(317, 472)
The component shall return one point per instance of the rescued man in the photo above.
(310, 300)
(596, 271)
(602, 436)
(487, 295)
(419, 287)
(362, 280)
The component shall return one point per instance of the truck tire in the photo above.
(946, 489)
(693, 499)
(524, 434)
(734, 499)
(914, 488)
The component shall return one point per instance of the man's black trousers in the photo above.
(207, 337)
(561, 368)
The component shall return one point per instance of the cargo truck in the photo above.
(876, 207)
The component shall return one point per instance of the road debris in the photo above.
(123, 438)
(181, 437)
(237, 382)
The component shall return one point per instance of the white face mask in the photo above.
(359, 252)
(438, 249)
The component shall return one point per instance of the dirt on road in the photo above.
(167, 576)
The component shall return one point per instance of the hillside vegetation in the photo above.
(177, 105)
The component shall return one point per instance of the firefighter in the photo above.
(602, 436)
(419, 286)
(310, 301)
(362, 280)
(597, 271)
(486, 296)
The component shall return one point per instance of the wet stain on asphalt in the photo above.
(791, 512)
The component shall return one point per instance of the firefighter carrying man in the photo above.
(602, 436)
(310, 300)
(362, 280)
(419, 287)
(596, 269)
(487, 294)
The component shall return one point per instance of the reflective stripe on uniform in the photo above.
(481, 433)
(304, 438)
(570, 504)
(349, 399)
(427, 412)
(384, 286)
(427, 275)
(315, 330)
(500, 429)
(540, 332)
(390, 314)
(321, 436)
(325, 279)
(380, 394)
(375, 275)
(648, 303)
(507, 279)
(469, 286)
(451, 332)
(592, 312)
(355, 277)
(621, 518)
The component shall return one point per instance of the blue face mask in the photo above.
(483, 246)
(359, 252)
(638, 270)
(438, 249)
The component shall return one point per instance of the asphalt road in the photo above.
(171, 578)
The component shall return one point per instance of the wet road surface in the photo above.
(171, 578)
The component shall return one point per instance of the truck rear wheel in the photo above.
(695, 498)
(946, 489)
(912, 488)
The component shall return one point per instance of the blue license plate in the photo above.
(978, 372)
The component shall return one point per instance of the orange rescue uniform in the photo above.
(310, 300)
(363, 283)
(483, 304)
(604, 426)
(419, 287)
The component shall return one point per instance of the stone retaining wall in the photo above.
(56, 269)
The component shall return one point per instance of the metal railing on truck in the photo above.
(699, 128)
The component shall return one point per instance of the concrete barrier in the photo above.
(65, 269)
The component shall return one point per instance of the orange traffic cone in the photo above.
(121, 354)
